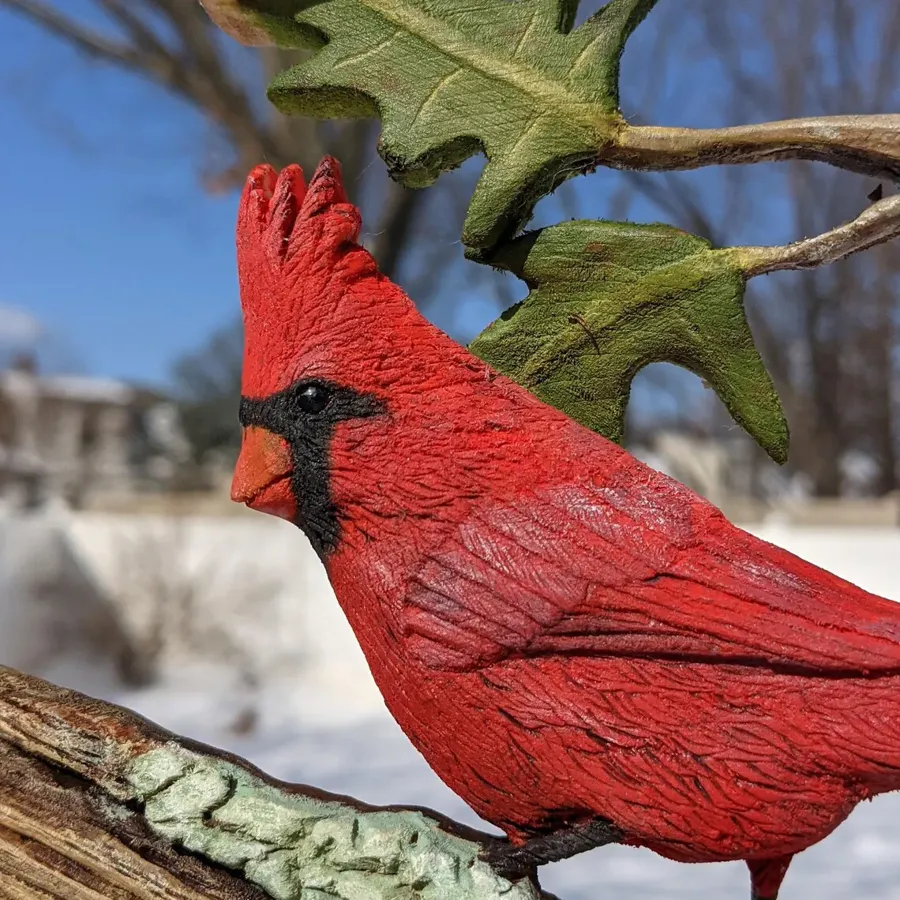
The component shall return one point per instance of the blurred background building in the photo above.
(79, 440)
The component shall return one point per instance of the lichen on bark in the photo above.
(293, 845)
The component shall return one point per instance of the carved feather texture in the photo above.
(297, 256)
(563, 632)
(595, 569)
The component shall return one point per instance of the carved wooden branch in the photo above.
(96, 802)
(868, 145)
(878, 224)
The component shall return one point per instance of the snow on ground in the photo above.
(319, 719)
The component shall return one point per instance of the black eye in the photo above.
(313, 398)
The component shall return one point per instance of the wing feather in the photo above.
(636, 565)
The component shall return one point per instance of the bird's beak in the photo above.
(262, 475)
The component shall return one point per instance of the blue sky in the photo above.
(108, 240)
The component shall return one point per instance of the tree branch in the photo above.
(878, 224)
(867, 145)
(146, 54)
(97, 802)
(85, 39)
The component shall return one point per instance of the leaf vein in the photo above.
(526, 34)
(442, 82)
(576, 65)
(510, 154)
(527, 80)
(350, 60)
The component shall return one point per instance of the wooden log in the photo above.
(97, 802)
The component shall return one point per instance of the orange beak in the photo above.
(262, 475)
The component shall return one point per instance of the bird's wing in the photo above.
(635, 564)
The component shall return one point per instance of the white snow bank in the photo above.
(53, 620)
(257, 580)
(869, 557)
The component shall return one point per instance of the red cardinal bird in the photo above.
(582, 648)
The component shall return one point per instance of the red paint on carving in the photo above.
(557, 627)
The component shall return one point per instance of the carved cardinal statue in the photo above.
(582, 648)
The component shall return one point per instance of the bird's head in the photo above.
(334, 353)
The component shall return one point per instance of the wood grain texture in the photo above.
(96, 802)
(63, 837)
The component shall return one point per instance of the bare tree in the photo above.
(175, 601)
(207, 384)
(174, 45)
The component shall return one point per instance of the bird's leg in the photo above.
(766, 876)
(513, 862)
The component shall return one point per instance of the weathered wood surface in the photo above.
(96, 802)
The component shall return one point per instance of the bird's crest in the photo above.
(281, 216)
(298, 257)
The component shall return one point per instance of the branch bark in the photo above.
(96, 802)
(878, 224)
(867, 145)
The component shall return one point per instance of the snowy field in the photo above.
(317, 718)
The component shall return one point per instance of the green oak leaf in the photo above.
(450, 78)
(608, 298)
